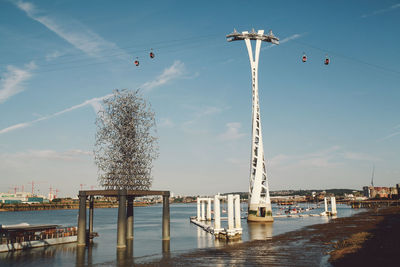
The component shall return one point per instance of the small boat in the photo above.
(24, 236)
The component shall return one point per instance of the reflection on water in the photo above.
(147, 243)
(260, 230)
(204, 239)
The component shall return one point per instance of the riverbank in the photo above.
(369, 238)
(59, 206)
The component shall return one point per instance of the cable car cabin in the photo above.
(137, 63)
(326, 62)
(152, 55)
(304, 58)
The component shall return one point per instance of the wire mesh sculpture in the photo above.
(126, 144)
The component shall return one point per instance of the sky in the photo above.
(323, 126)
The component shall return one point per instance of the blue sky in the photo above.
(323, 126)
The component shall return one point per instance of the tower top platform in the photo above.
(253, 35)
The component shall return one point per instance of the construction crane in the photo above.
(15, 189)
(33, 185)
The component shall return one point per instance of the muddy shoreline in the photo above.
(370, 238)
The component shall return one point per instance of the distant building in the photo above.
(20, 197)
(381, 192)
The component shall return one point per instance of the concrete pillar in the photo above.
(203, 213)
(326, 205)
(198, 209)
(165, 219)
(237, 212)
(209, 209)
(230, 212)
(217, 213)
(91, 210)
(129, 218)
(121, 230)
(333, 205)
(165, 246)
(82, 219)
(80, 256)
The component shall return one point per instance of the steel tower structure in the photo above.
(259, 205)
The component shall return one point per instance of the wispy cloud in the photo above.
(69, 155)
(389, 136)
(166, 123)
(95, 103)
(381, 11)
(232, 132)
(176, 70)
(14, 79)
(53, 55)
(73, 32)
(330, 157)
(27, 124)
(285, 40)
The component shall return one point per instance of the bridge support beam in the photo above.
(129, 218)
(121, 225)
(82, 219)
(165, 219)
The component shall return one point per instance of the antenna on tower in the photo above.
(373, 173)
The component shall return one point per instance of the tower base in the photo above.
(260, 213)
(255, 218)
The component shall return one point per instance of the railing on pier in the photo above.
(374, 203)
(33, 233)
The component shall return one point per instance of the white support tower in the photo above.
(259, 206)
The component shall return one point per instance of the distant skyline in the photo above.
(323, 126)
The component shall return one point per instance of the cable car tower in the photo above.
(259, 206)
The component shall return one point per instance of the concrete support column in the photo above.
(203, 213)
(209, 209)
(91, 210)
(121, 230)
(198, 209)
(230, 212)
(237, 212)
(326, 205)
(333, 205)
(82, 219)
(165, 219)
(217, 213)
(80, 256)
(129, 218)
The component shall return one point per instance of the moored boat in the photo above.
(24, 236)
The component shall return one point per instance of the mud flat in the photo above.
(370, 238)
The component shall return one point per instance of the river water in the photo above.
(147, 244)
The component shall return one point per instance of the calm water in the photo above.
(147, 243)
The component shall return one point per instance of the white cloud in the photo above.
(397, 132)
(359, 156)
(285, 40)
(175, 71)
(199, 113)
(91, 102)
(14, 80)
(53, 55)
(390, 136)
(62, 169)
(166, 123)
(95, 103)
(381, 11)
(69, 155)
(232, 132)
(330, 157)
(73, 32)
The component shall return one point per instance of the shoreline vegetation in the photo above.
(60, 206)
(370, 238)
